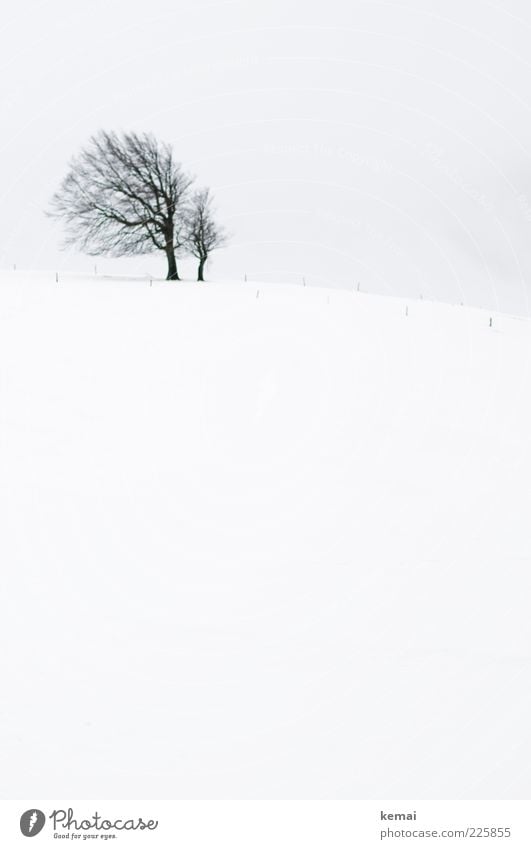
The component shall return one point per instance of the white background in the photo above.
(315, 825)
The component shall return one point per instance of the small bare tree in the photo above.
(124, 195)
(203, 234)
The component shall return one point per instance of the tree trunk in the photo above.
(201, 269)
(172, 263)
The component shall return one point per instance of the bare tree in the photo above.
(124, 195)
(203, 234)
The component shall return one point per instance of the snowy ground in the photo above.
(261, 547)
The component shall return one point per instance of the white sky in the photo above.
(382, 142)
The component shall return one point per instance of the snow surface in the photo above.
(267, 547)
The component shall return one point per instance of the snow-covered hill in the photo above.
(261, 542)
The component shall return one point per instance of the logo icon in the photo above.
(31, 822)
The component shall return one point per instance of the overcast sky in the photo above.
(385, 143)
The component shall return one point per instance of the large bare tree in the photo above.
(124, 195)
(203, 233)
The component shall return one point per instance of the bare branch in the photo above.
(203, 234)
(124, 195)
